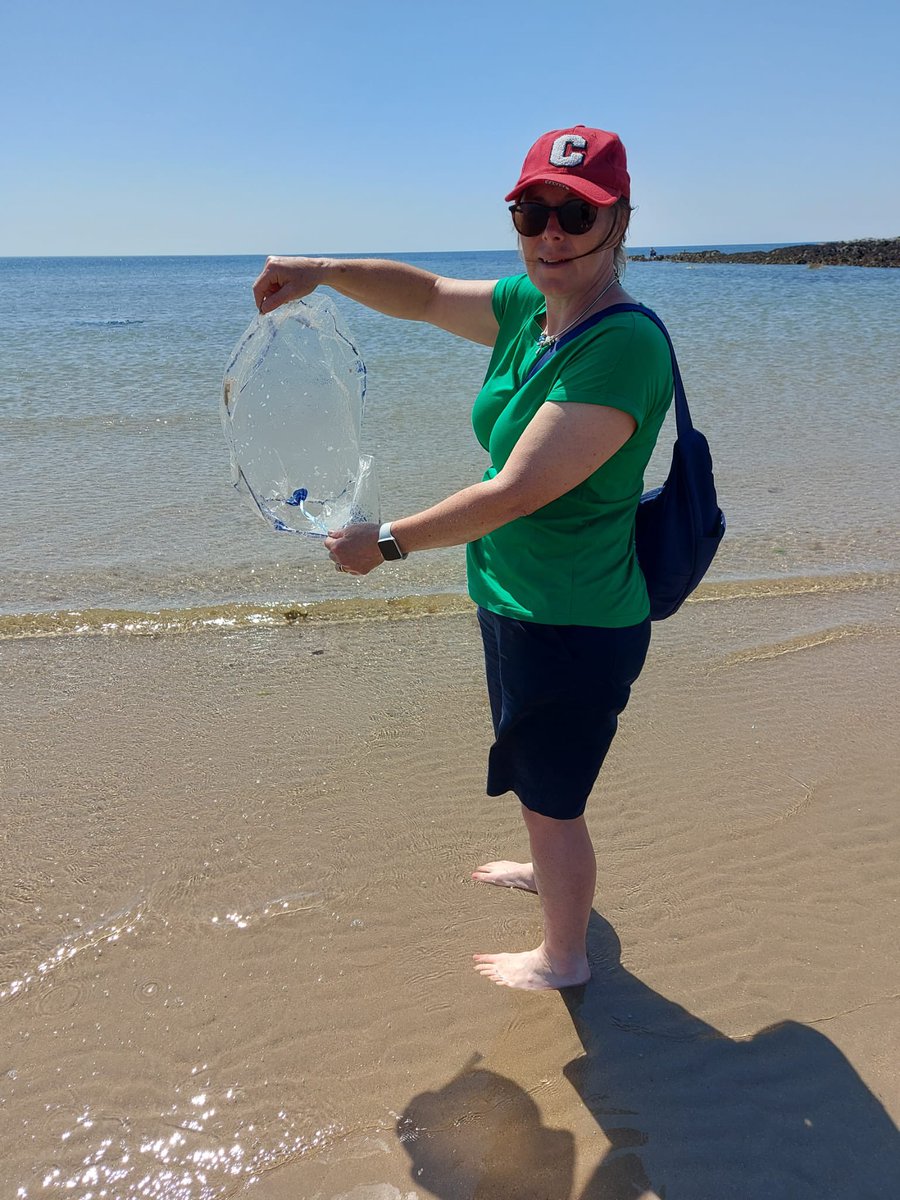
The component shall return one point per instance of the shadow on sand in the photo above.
(690, 1114)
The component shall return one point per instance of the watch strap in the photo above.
(387, 544)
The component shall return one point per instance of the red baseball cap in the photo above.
(591, 162)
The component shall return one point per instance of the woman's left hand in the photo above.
(354, 548)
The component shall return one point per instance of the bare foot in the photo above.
(507, 874)
(531, 970)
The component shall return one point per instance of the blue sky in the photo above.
(271, 127)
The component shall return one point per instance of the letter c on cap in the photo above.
(559, 152)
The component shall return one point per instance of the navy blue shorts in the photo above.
(556, 692)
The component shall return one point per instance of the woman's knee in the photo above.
(538, 823)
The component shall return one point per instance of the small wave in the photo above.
(107, 322)
(792, 585)
(804, 642)
(231, 617)
(96, 622)
(109, 929)
(283, 906)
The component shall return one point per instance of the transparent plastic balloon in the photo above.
(292, 406)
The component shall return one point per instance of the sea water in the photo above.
(117, 501)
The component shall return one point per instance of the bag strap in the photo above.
(683, 422)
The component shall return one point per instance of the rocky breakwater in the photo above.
(868, 252)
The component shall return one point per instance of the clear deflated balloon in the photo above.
(292, 407)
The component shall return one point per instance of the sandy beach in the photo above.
(238, 920)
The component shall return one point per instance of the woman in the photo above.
(549, 531)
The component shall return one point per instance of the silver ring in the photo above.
(338, 567)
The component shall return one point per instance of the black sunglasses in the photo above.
(575, 216)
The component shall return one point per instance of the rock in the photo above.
(867, 252)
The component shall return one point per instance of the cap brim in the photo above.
(581, 188)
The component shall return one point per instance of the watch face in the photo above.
(390, 551)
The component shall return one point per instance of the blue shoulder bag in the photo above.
(678, 527)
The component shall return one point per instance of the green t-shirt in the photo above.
(573, 561)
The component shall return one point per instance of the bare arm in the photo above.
(461, 306)
(562, 446)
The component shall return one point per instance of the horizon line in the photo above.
(393, 253)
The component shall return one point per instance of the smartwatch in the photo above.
(387, 544)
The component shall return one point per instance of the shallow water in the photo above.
(116, 476)
(237, 919)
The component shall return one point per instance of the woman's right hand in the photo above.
(284, 279)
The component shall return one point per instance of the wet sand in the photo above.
(237, 920)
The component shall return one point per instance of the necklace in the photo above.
(548, 340)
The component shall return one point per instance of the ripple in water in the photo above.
(200, 1149)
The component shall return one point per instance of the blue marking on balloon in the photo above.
(256, 397)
